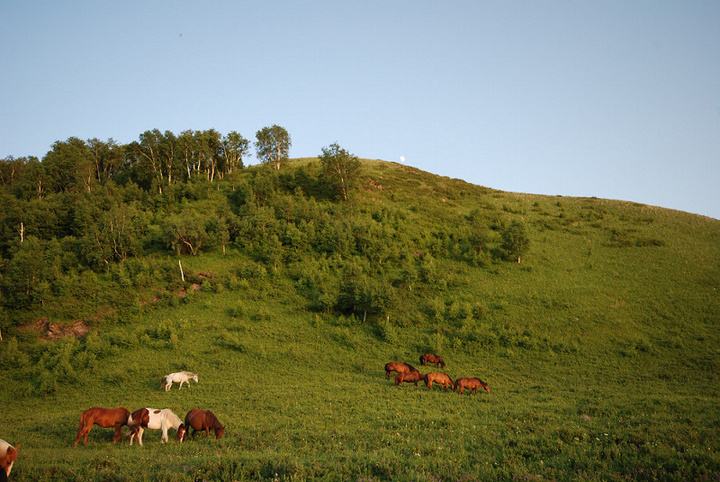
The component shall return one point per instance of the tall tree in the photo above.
(273, 145)
(340, 168)
(233, 148)
(69, 166)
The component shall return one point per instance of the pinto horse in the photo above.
(439, 378)
(429, 358)
(399, 368)
(8, 455)
(178, 377)
(102, 417)
(472, 384)
(409, 377)
(198, 420)
(154, 419)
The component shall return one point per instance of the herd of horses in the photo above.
(150, 418)
(407, 373)
(199, 420)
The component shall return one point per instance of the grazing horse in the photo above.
(399, 367)
(103, 417)
(429, 358)
(439, 378)
(178, 377)
(409, 377)
(471, 384)
(8, 455)
(153, 419)
(198, 419)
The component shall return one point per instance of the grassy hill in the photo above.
(602, 347)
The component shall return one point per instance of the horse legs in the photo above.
(181, 383)
(164, 437)
(79, 436)
(118, 433)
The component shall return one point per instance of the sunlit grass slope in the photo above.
(602, 348)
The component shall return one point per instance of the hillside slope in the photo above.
(601, 346)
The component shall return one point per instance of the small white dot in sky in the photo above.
(402, 158)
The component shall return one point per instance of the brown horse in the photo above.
(431, 358)
(472, 384)
(409, 377)
(198, 419)
(399, 367)
(8, 456)
(439, 378)
(103, 417)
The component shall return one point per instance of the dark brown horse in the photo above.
(439, 378)
(399, 368)
(431, 358)
(409, 377)
(102, 417)
(472, 384)
(198, 419)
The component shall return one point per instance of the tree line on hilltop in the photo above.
(81, 228)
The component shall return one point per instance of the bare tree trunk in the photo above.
(22, 233)
(182, 273)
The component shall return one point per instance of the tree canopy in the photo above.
(273, 145)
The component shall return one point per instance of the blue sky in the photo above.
(613, 99)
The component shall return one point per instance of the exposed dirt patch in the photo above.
(182, 292)
(55, 331)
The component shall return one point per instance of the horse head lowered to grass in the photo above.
(154, 419)
(201, 420)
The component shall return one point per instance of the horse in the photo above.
(8, 455)
(471, 384)
(399, 367)
(153, 419)
(199, 419)
(178, 377)
(409, 377)
(103, 417)
(429, 358)
(439, 378)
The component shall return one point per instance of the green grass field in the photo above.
(602, 350)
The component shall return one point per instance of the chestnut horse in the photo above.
(409, 377)
(472, 384)
(8, 455)
(399, 367)
(429, 358)
(439, 378)
(198, 419)
(102, 417)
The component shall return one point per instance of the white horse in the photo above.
(153, 419)
(178, 377)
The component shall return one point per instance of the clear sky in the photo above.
(614, 99)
